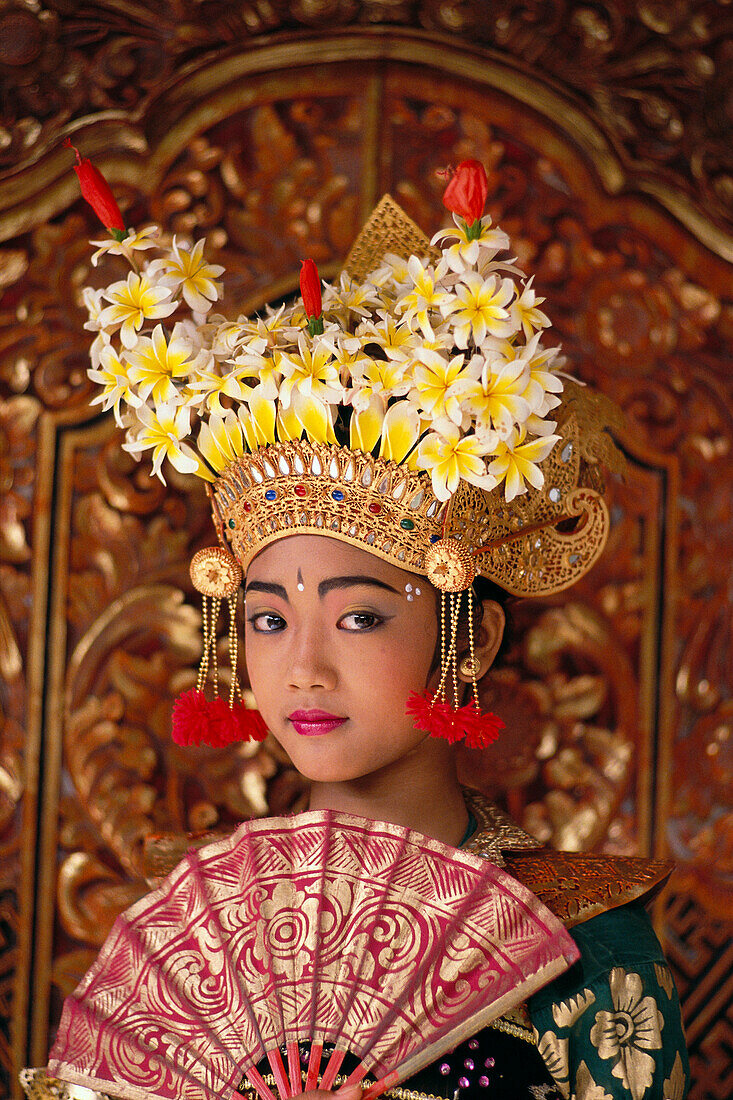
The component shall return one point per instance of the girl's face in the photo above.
(334, 647)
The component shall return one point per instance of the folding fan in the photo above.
(320, 928)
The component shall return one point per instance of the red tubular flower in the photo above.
(310, 288)
(466, 192)
(98, 194)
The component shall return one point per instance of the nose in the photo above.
(310, 663)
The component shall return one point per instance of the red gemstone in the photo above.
(375, 509)
(300, 490)
(247, 506)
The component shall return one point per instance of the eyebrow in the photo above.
(351, 582)
(329, 585)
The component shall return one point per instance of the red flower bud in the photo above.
(97, 192)
(467, 189)
(310, 288)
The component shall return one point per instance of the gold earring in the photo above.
(469, 666)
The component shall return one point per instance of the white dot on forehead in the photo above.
(408, 588)
(301, 586)
(409, 597)
(418, 592)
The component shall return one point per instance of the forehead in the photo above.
(318, 556)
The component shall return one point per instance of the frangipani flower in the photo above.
(396, 340)
(156, 363)
(425, 296)
(185, 269)
(464, 253)
(496, 399)
(525, 313)
(164, 430)
(137, 240)
(516, 462)
(112, 376)
(311, 372)
(365, 426)
(207, 389)
(134, 301)
(478, 308)
(314, 416)
(400, 431)
(348, 297)
(449, 455)
(376, 376)
(434, 384)
(221, 440)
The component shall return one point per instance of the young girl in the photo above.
(428, 462)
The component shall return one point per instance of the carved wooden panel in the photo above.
(613, 178)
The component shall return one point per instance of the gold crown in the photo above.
(382, 507)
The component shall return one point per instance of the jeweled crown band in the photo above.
(311, 488)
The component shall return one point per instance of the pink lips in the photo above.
(314, 723)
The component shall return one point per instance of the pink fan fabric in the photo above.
(321, 927)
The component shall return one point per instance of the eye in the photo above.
(360, 620)
(266, 622)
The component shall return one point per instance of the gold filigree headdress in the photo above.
(411, 409)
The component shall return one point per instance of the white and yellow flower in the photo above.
(496, 400)
(516, 461)
(396, 340)
(479, 308)
(377, 376)
(312, 372)
(434, 384)
(163, 430)
(133, 301)
(365, 426)
(464, 252)
(111, 375)
(137, 240)
(221, 440)
(449, 455)
(186, 270)
(349, 297)
(267, 369)
(156, 364)
(525, 311)
(425, 297)
(400, 432)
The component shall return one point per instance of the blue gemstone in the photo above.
(435, 538)
(337, 494)
(270, 495)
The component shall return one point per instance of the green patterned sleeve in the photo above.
(610, 1028)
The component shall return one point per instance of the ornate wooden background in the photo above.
(272, 128)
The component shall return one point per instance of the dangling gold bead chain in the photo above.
(235, 691)
(204, 666)
(440, 693)
(474, 685)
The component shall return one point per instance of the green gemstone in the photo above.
(232, 523)
(407, 524)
